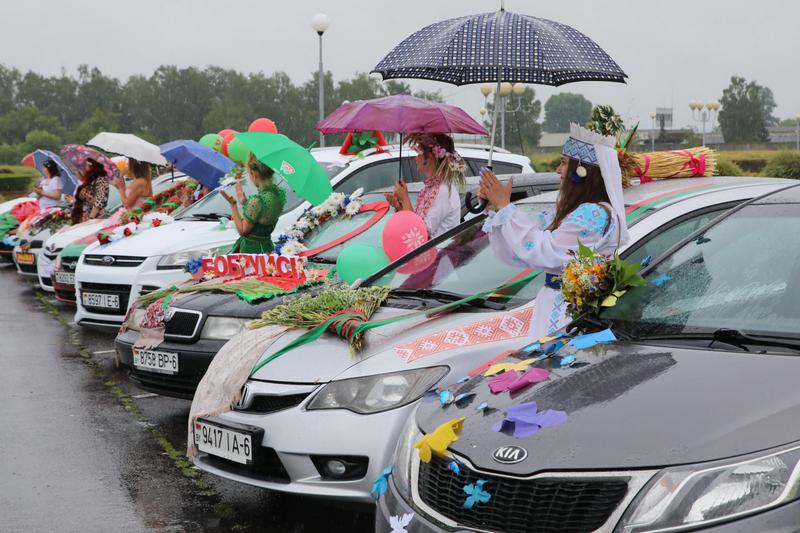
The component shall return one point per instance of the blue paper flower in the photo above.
(454, 467)
(476, 494)
(194, 265)
(381, 485)
(445, 397)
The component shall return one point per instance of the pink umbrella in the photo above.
(400, 113)
(77, 156)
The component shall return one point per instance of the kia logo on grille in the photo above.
(70, 265)
(108, 260)
(509, 455)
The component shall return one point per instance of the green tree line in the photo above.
(172, 103)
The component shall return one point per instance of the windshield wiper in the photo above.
(733, 337)
(446, 296)
(208, 216)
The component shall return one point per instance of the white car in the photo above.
(110, 276)
(45, 261)
(323, 423)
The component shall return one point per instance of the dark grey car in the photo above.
(688, 422)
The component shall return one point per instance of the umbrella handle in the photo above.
(469, 203)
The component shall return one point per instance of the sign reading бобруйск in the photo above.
(284, 266)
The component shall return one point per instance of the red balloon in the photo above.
(226, 131)
(403, 232)
(226, 139)
(264, 125)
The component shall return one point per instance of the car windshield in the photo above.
(741, 274)
(463, 264)
(332, 168)
(339, 227)
(215, 204)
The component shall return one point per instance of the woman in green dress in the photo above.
(260, 211)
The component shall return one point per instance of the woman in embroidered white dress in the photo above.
(589, 209)
(438, 203)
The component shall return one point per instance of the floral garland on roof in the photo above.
(150, 220)
(166, 202)
(337, 204)
(53, 219)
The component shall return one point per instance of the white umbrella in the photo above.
(128, 145)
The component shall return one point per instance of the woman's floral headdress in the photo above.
(451, 165)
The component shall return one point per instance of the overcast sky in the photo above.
(672, 51)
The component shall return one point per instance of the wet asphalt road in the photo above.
(81, 449)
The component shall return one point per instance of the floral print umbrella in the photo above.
(77, 156)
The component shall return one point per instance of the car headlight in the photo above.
(404, 455)
(136, 318)
(222, 327)
(373, 394)
(178, 260)
(690, 496)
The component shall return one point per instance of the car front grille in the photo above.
(544, 504)
(27, 269)
(268, 466)
(269, 403)
(68, 265)
(113, 260)
(183, 324)
(123, 291)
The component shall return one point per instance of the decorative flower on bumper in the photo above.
(381, 485)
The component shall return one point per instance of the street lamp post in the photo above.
(653, 116)
(320, 22)
(506, 89)
(797, 132)
(703, 112)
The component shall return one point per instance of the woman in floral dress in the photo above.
(438, 203)
(260, 211)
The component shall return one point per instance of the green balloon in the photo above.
(212, 140)
(238, 151)
(359, 261)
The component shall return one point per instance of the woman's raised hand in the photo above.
(231, 200)
(119, 183)
(491, 190)
(401, 194)
(240, 192)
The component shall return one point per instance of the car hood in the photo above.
(71, 234)
(638, 406)
(171, 238)
(329, 357)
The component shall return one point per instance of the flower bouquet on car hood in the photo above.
(591, 280)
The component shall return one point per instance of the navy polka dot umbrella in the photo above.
(509, 46)
(500, 47)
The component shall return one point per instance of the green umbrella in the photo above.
(292, 162)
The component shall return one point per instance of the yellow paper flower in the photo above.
(438, 441)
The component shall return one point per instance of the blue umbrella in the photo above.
(198, 161)
(68, 180)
